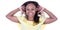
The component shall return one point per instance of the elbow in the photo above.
(55, 18)
(7, 16)
(51, 20)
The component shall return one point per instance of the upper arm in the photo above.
(50, 20)
(13, 18)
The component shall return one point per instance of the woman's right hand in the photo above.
(22, 9)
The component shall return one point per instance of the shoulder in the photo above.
(42, 17)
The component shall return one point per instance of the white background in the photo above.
(7, 6)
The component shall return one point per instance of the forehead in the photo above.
(30, 5)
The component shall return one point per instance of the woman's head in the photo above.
(31, 10)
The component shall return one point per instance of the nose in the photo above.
(30, 10)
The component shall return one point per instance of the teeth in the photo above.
(30, 13)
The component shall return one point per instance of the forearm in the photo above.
(50, 14)
(13, 12)
(51, 18)
(11, 17)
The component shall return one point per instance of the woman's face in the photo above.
(30, 10)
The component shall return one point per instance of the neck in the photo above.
(30, 18)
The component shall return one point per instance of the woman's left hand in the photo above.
(40, 9)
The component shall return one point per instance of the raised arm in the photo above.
(51, 18)
(11, 15)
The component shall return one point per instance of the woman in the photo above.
(31, 20)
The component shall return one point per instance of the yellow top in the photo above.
(29, 25)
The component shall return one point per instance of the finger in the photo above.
(23, 8)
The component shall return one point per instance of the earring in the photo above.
(39, 15)
(23, 14)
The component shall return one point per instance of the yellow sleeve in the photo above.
(42, 19)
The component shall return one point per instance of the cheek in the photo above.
(33, 12)
(27, 12)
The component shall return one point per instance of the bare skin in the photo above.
(11, 15)
(51, 18)
(30, 11)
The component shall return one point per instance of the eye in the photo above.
(27, 9)
(32, 9)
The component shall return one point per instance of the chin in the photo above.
(30, 16)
